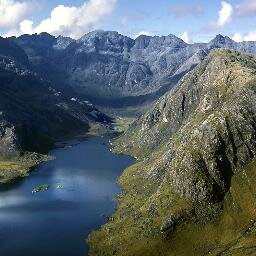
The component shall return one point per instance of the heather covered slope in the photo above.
(191, 191)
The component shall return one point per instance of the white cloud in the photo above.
(26, 27)
(225, 14)
(238, 37)
(186, 37)
(69, 21)
(13, 12)
(142, 33)
(75, 21)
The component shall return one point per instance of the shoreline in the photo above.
(87, 196)
(32, 160)
(17, 167)
(12, 169)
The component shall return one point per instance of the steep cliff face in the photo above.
(13, 51)
(33, 114)
(106, 64)
(193, 151)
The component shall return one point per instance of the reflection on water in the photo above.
(82, 183)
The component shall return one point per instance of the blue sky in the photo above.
(194, 21)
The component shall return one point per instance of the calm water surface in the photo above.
(55, 222)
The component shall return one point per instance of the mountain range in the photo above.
(34, 115)
(113, 70)
(49, 82)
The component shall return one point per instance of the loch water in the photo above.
(81, 196)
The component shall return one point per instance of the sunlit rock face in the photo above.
(205, 123)
(191, 190)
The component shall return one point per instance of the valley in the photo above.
(185, 112)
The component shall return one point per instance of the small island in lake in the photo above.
(40, 188)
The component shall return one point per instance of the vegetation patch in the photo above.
(135, 227)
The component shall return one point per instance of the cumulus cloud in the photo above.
(225, 14)
(26, 27)
(75, 21)
(13, 12)
(186, 37)
(181, 10)
(69, 21)
(229, 12)
(238, 37)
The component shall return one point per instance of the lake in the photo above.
(81, 195)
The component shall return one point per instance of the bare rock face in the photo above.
(33, 115)
(9, 144)
(206, 126)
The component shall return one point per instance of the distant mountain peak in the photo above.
(45, 34)
(220, 39)
(101, 34)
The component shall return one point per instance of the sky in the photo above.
(193, 21)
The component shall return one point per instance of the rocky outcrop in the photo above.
(206, 125)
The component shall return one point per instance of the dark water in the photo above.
(55, 222)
